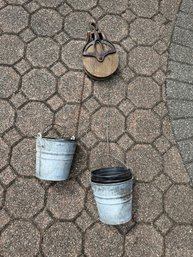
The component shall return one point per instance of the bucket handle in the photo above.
(51, 125)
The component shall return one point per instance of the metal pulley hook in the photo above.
(94, 26)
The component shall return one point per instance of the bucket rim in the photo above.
(108, 175)
(67, 139)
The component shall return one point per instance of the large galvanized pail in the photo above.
(54, 158)
(112, 188)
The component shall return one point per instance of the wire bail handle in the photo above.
(39, 135)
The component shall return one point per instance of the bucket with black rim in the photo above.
(54, 157)
(112, 189)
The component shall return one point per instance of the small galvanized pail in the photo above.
(54, 158)
(112, 188)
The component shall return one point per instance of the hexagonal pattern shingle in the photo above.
(33, 118)
(179, 242)
(23, 157)
(147, 203)
(91, 105)
(62, 238)
(4, 218)
(22, 66)
(144, 60)
(160, 47)
(163, 224)
(159, 77)
(64, 195)
(167, 130)
(125, 228)
(62, 37)
(67, 118)
(41, 76)
(128, 43)
(19, 2)
(55, 102)
(13, 19)
(161, 109)
(80, 162)
(97, 12)
(38, 84)
(76, 24)
(1, 196)
(46, 22)
(72, 54)
(91, 205)
(20, 238)
(42, 52)
(82, 4)
(126, 106)
(125, 142)
(116, 123)
(99, 156)
(6, 116)
(115, 27)
(174, 167)
(112, 6)
(145, 162)
(32, 6)
(179, 203)
(144, 126)
(144, 31)
(169, 9)
(162, 144)
(85, 179)
(43, 220)
(64, 9)
(144, 92)
(18, 99)
(144, 241)
(111, 91)
(128, 15)
(11, 49)
(122, 57)
(4, 153)
(50, 3)
(7, 176)
(12, 136)
(24, 198)
(84, 221)
(96, 241)
(89, 139)
(162, 182)
(127, 74)
(27, 35)
(70, 86)
(144, 9)
(9, 81)
(58, 69)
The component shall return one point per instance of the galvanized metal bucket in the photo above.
(54, 158)
(112, 188)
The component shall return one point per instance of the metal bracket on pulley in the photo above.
(96, 37)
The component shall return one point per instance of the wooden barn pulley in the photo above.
(100, 58)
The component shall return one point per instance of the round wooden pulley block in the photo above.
(100, 58)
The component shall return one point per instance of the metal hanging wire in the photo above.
(80, 105)
(107, 133)
(107, 123)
